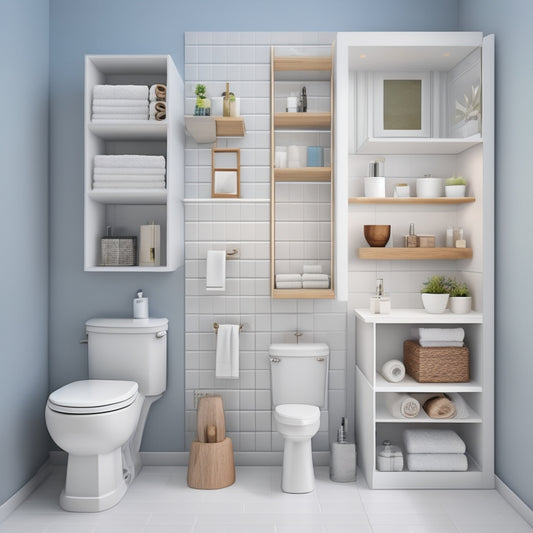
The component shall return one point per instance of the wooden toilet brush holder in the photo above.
(211, 464)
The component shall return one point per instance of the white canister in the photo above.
(140, 306)
(235, 108)
(292, 104)
(429, 187)
(375, 187)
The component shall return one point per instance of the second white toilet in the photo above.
(299, 385)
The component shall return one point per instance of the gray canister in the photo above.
(343, 462)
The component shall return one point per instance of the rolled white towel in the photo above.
(124, 110)
(288, 284)
(288, 277)
(128, 185)
(433, 441)
(441, 334)
(437, 344)
(129, 177)
(393, 370)
(119, 116)
(158, 91)
(150, 171)
(117, 102)
(316, 284)
(437, 462)
(402, 405)
(315, 277)
(123, 92)
(312, 269)
(129, 161)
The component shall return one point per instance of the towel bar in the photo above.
(215, 327)
(231, 253)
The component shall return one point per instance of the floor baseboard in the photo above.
(514, 501)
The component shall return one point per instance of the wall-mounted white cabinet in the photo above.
(125, 210)
(450, 66)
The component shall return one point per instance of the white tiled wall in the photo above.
(243, 59)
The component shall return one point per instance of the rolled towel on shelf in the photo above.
(316, 284)
(288, 277)
(118, 103)
(138, 171)
(312, 269)
(315, 277)
(433, 441)
(437, 462)
(158, 110)
(402, 405)
(393, 370)
(436, 405)
(129, 161)
(441, 334)
(443, 344)
(119, 116)
(158, 91)
(288, 284)
(123, 92)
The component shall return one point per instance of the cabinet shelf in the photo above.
(411, 200)
(207, 129)
(302, 121)
(303, 293)
(408, 384)
(415, 253)
(418, 316)
(303, 174)
(385, 417)
(132, 196)
(110, 130)
(417, 145)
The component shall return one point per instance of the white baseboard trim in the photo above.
(20, 496)
(514, 501)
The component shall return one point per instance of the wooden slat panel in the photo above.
(303, 174)
(230, 126)
(303, 293)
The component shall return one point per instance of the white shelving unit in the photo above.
(453, 61)
(126, 210)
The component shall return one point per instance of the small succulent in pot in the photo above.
(460, 298)
(203, 105)
(455, 187)
(435, 294)
(435, 285)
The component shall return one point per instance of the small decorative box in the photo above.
(426, 241)
(119, 251)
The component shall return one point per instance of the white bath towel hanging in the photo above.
(227, 354)
(215, 278)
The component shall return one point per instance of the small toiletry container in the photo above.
(342, 467)
(389, 458)
(140, 306)
(375, 187)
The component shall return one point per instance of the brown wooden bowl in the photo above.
(377, 235)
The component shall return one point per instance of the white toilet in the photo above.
(99, 422)
(299, 385)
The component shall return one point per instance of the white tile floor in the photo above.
(159, 501)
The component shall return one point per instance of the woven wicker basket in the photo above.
(447, 364)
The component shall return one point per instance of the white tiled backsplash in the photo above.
(243, 59)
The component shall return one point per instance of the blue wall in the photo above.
(24, 257)
(79, 27)
(512, 23)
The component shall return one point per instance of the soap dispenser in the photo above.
(140, 305)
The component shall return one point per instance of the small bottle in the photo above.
(304, 99)
(140, 305)
(292, 103)
(226, 102)
(449, 237)
(341, 432)
(411, 241)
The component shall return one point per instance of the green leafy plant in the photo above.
(436, 285)
(200, 91)
(458, 289)
(455, 180)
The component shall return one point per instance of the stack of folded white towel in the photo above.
(129, 172)
(434, 450)
(158, 102)
(312, 278)
(120, 102)
(433, 337)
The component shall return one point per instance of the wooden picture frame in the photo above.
(225, 173)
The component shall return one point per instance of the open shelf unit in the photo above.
(125, 210)
(301, 69)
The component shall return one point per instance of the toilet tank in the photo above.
(299, 373)
(129, 349)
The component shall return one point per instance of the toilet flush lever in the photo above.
(320, 359)
(275, 359)
(160, 334)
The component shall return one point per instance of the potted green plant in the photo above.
(435, 294)
(455, 187)
(460, 298)
(203, 105)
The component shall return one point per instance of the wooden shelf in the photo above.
(206, 129)
(412, 200)
(303, 293)
(302, 121)
(230, 126)
(417, 145)
(302, 63)
(414, 253)
(303, 174)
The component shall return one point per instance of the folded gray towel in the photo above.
(437, 462)
(433, 441)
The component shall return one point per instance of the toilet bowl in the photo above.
(99, 422)
(299, 384)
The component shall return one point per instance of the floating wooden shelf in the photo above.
(413, 200)
(417, 145)
(207, 129)
(303, 174)
(303, 63)
(303, 293)
(230, 126)
(415, 253)
(302, 121)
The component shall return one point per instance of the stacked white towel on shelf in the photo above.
(158, 102)
(120, 102)
(431, 337)
(434, 450)
(315, 281)
(288, 281)
(129, 172)
(312, 278)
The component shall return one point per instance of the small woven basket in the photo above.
(446, 364)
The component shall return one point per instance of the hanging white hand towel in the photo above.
(227, 354)
(215, 278)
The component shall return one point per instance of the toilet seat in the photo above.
(93, 396)
(294, 414)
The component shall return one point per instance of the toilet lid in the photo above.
(297, 414)
(93, 396)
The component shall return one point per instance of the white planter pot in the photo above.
(455, 191)
(461, 304)
(375, 187)
(435, 303)
(429, 187)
